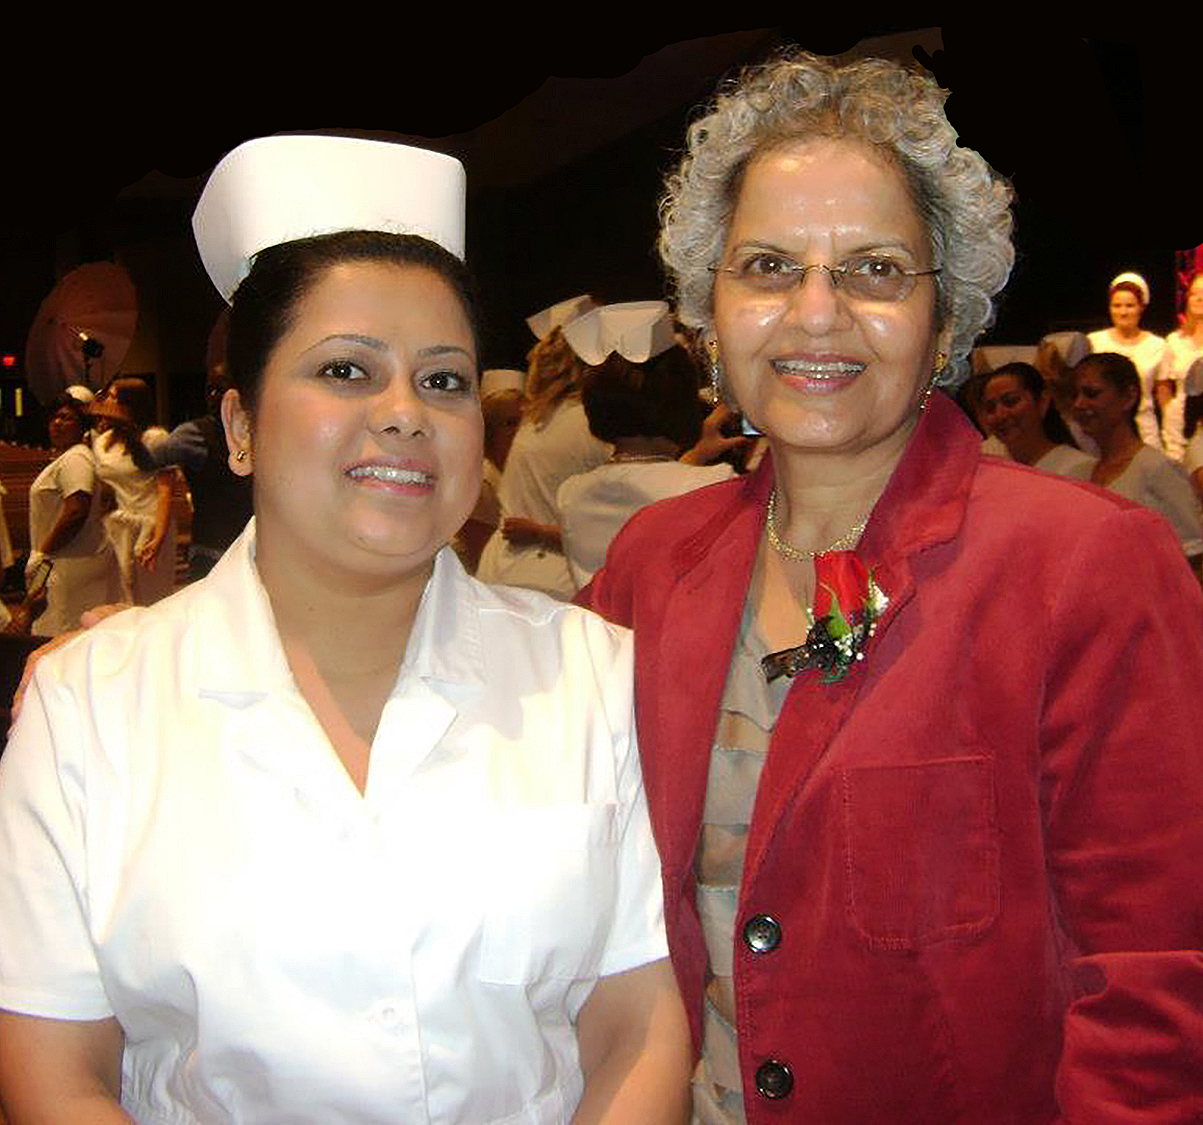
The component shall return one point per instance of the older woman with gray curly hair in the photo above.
(920, 861)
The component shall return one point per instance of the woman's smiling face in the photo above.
(811, 367)
(1009, 411)
(1125, 309)
(366, 443)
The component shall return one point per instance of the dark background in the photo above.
(566, 137)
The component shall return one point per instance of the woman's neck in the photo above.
(822, 497)
(352, 624)
(1029, 450)
(1119, 446)
(344, 636)
(1129, 333)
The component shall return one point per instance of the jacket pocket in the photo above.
(921, 851)
(554, 883)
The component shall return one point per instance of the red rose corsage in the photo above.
(848, 604)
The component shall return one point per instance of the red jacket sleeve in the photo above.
(1122, 788)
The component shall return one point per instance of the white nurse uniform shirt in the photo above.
(180, 848)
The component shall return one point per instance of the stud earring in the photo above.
(240, 455)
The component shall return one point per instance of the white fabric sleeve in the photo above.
(76, 471)
(1193, 458)
(48, 965)
(637, 921)
(1176, 500)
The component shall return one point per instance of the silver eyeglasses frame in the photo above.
(796, 273)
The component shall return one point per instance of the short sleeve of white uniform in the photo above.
(76, 471)
(1171, 486)
(637, 928)
(47, 963)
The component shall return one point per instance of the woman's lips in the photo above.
(403, 478)
(818, 374)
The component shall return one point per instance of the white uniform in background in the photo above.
(540, 460)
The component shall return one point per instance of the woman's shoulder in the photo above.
(528, 639)
(1027, 518)
(1153, 462)
(1034, 500)
(1067, 461)
(123, 642)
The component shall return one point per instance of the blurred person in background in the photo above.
(66, 524)
(1128, 297)
(1016, 407)
(1106, 406)
(140, 529)
(552, 444)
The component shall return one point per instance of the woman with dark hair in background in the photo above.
(920, 728)
(1016, 407)
(140, 529)
(337, 833)
(649, 411)
(1106, 406)
(66, 524)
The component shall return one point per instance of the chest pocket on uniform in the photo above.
(921, 851)
(554, 881)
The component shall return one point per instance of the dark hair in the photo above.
(139, 400)
(1032, 381)
(658, 398)
(1119, 371)
(70, 402)
(263, 306)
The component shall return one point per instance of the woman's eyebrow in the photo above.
(354, 337)
(443, 349)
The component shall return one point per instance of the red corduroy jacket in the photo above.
(983, 848)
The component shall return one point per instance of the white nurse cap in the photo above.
(559, 314)
(637, 330)
(278, 189)
(1132, 279)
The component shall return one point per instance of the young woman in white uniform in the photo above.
(1015, 407)
(66, 524)
(1128, 297)
(552, 444)
(1108, 391)
(1183, 347)
(140, 528)
(337, 834)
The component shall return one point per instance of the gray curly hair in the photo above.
(963, 203)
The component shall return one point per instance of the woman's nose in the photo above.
(399, 409)
(815, 303)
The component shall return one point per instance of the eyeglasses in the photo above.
(869, 277)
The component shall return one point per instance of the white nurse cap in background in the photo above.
(1133, 279)
(80, 393)
(637, 330)
(278, 189)
(559, 314)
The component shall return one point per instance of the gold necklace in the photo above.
(843, 543)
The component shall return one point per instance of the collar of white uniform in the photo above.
(242, 659)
